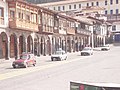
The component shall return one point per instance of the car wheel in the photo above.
(26, 65)
(34, 64)
(65, 58)
(51, 59)
(14, 66)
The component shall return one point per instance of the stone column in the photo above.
(8, 49)
(26, 45)
(18, 47)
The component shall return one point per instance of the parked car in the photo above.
(105, 48)
(87, 51)
(25, 60)
(59, 55)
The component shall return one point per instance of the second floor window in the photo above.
(1, 12)
(106, 12)
(27, 17)
(54, 8)
(69, 6)
(92, 4)
(79, 5)
(75, 6)
(111, 11)
(105, 2)
(63, 7)
(12, 14)
(87, 4)
(19, 15)
(59, 8)
(114, 28)
(117, 11)
(111, 1)
(97, 3)
(117, 1)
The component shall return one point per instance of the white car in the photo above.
(59, 55)
(87, 51)
(105, 48)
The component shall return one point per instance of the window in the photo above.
(12, 14)
(117, 1)
(106, 12)
(92, 4)
(69, 6)
(28, 17)
(75, 6)
(111, 11)
(54, 8)
(19, 15)
(114, 28)
(58, 8)
(22, 15)
(106, 2)
(117, 11)
(63, 7)
(79, 5)
(111, 1)
(87, 4)
(97, 3)
(1, 12)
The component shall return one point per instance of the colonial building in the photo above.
(111, 11)
(26, 27)
(3, 32)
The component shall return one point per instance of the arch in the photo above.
(53, 45)
(76, 44)
(48, 46)
(29, 44)
(36, 44)
(3, 45)
(22, 47)
(63, 43)
(13, 45)
(42, 44)
(68, 44)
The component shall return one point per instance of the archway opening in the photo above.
(22, 47)
(3, 45)
(13, 46)
(29, 44)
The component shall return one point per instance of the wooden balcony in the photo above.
(1, 20)
(71, 31)
(56, 30)
(23, 25)
(83, 31)
(113, 18)
(45, 29)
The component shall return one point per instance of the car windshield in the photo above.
(58, 52)
(86, 49)
(23, 57)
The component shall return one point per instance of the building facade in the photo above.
(111, 11)
(26, 27)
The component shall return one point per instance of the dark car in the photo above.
(25, 60)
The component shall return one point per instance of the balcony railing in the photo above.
(23, 24)
(45, 29)
(1, 20)
(114, 17)
(83, 31)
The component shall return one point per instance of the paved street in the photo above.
(103, 66)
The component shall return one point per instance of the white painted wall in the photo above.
(4, 5)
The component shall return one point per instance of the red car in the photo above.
(24, 61)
